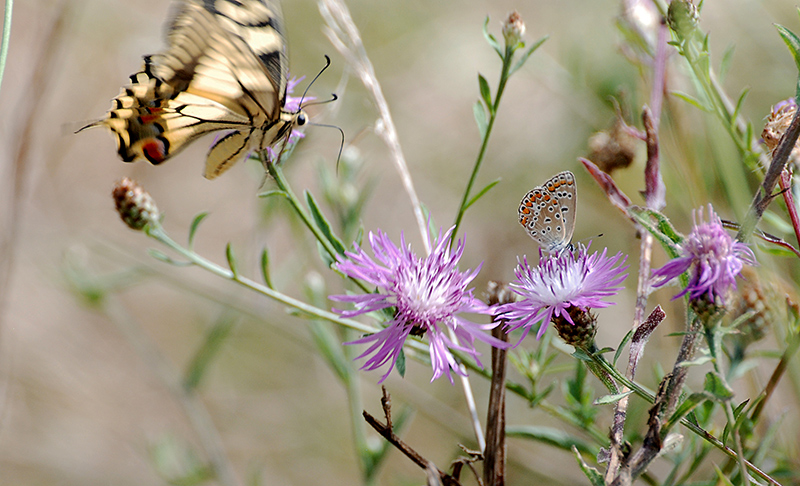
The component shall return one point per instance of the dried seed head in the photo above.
(778, 122)
(134, 205)
(612, 149)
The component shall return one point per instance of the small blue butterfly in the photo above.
(547, 212)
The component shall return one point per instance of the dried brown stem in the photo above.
(494, 463)
(385, 430)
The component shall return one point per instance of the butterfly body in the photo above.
(547, 212)
(225, 69)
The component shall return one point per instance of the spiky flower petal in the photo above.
(712, 257)
(560, 282)
(425, 295)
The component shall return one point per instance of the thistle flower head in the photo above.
(713, 259)
(134, 205)
(426, 295)
(573, 279)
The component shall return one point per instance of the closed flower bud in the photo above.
(581, 331)
(134, 205)
(682, 17)
(513, 29)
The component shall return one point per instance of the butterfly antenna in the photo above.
(341, 143)
(331, 99)
(326, 66)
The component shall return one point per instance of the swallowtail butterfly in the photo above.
(225, 69)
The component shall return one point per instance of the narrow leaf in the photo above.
(697, 361)
(265, 267)
(232, 263)
(480, 193)
(622, 345)
(273, 192)
(685, 408)
(592, 474)
(204, 356)
(524, 58)
(791, 41)
(159, 255)
(193, 228)
(717, 388)
(550, 436)
(725, 64)
(479, 112)
(692, 101)
(486, 92)
(400, 364)
(739, 103)
(606, 399)
(323, 225)
(491, 39)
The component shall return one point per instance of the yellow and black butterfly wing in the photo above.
(225, 69)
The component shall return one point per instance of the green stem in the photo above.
(157, 232)
(6, 38)
(485, 142)
(277, 174)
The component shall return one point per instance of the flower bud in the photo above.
(682, 17)
(134, 205)
(581, 331)
(513, 29)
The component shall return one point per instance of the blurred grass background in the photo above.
(81, 406)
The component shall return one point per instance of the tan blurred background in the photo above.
(81, 404)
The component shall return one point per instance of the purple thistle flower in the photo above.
(426, 294)
(713, 257)
(559, 283)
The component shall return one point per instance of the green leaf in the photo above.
(739, 103)
(692, 101)
(659, 226)
(725, 65)
(606, 399)
(323, 225)
(273, 192)
(717, 387)
(205, 354)
(486, 92)
(592, 474)
(193, 228)
(792, 42)
(232, 263)
(491, 40)
(696, 362)
(622, 345)
(480, 193)
(479, 112)
(400, 364)
(550, 436)
(159, 255)
(524, 58)
(685, 407)
(265, 267)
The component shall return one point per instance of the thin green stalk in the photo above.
(157, 232)
(277, 174)
(485, 142)
(6, 38)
